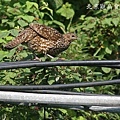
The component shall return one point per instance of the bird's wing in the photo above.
(40, 44)
(23, 36)
(46, 32)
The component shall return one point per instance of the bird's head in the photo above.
(70, 37)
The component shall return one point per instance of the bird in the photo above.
(43, 39)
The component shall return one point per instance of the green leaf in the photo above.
(8, 38)
(81, 118)
(17, 5)
(9, 76)
(66, 11)
(92, 25)
(51, 82)
(58, 23)
(11, 52)
(7, 0)
(118, 42)
(45, 7)
(14, 32)
(108, 50)
(23, 54)
(13, 11)
(71, 113)
(57, 3)
(2, 40)
(3, 54)
(82, 17)
(11, 24)
(109, 6)
(4, 34)
(31, 4)
(4, 20)
(28, 18)
(93, 2)
(117, 1)
(63, 110)
(117, 71)
(22, 23)
(115, 21)
(62, 26)
(106, 70)
(107, 21)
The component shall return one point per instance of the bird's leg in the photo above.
(49, 56)
(36, 58)
(54, 58)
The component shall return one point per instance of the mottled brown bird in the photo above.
(43, 39)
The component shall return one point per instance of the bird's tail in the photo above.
(23, 36)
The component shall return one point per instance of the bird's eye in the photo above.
(73, 35)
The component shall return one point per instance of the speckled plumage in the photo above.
(43, 39)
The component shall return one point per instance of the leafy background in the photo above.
(98, 31)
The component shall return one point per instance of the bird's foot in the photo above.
(60, 59)
(38, 59)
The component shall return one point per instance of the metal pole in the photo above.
(60, 99)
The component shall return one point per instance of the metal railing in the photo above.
(52, 96)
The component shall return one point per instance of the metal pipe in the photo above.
(27, 64)
(59, 99)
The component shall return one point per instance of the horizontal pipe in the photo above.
(105, 109)
(59, 99)
(58, 86)
(27, 64)
(89, 108)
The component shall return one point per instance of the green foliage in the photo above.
(66, 11)
(98, 31)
